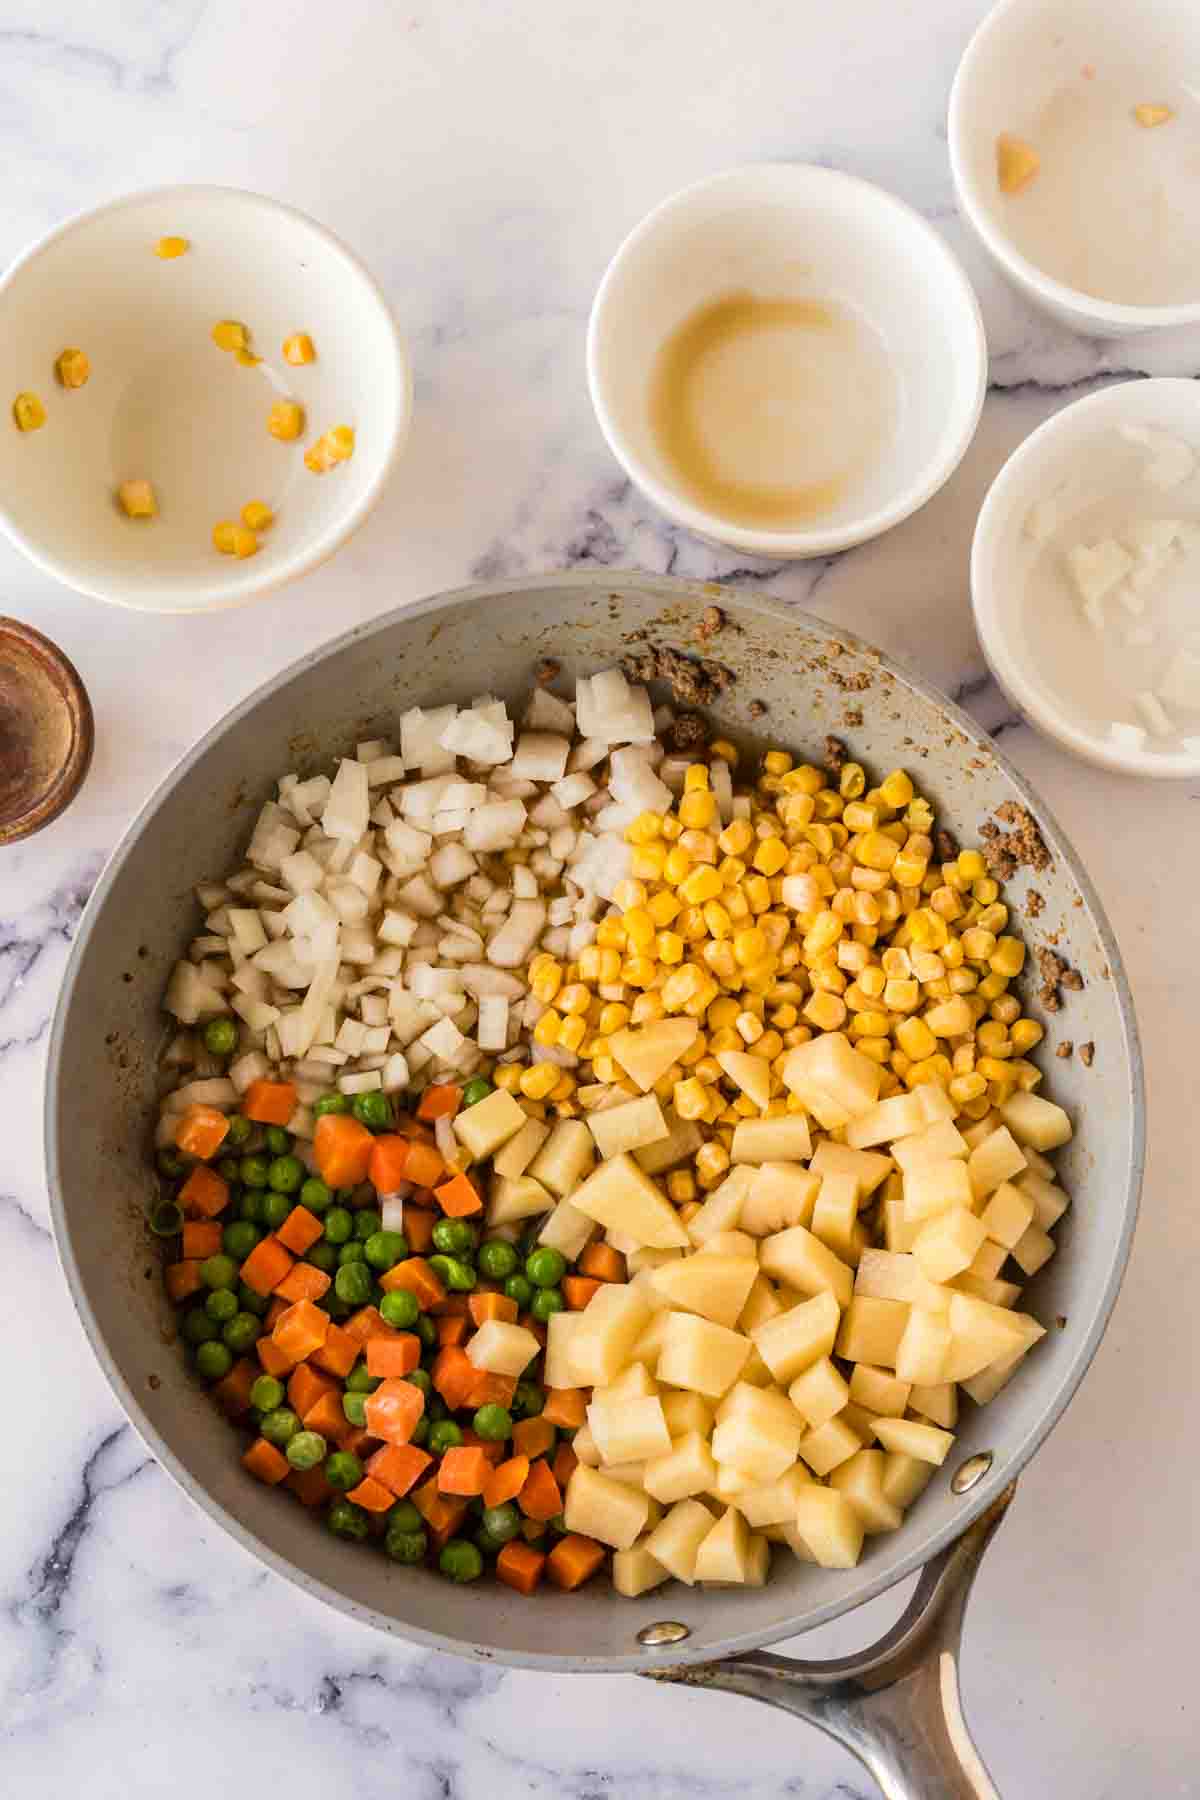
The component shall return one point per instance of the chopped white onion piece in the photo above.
(420, 739)
(391, 1211)
(366, 1083)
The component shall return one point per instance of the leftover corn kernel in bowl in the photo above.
(586, 1153)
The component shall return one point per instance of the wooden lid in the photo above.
(46, 731)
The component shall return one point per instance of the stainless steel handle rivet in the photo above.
(973, 1470)
(667, 1631)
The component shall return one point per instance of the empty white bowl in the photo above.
(164, 404)
(1069, 448)
(795, 232)
(1065, 75)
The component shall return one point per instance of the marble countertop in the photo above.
(486, 160)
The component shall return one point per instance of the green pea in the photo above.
(485, 1542)
(354, 1284)
(477, 1089)
(170, 1163)
(253, 1171)
(518, 1288)
(405, 1546)
(546, 1302)
(436, 1408)
(251, 1302)
(306, 1450)
(422, 1379)
(220, 1037)
(339, 1224)
(503, 1522)
(250, 1205)
(493, 1423)
(458, 1276)
(427, 1332)
(322, 1256)
(315, 1195)
(166, 1219)
(228, 1168)
(219, 1271)
(266, 1394)
(242, 1333)
(558, 1524)
(399, 1309)
(366, 1223)
(353, 1252)
(374, 1110)
(213, 1360)
(343, 1470)
(197, 1327)
(545, 1267)
(359, 1382)
(384, 1249)
(529, 1399)
(279, 1426)
(355, 1408)
(337, 1309)
(279, 1141)
(239, 1238)
(221, 1306)
(346, 1520)
(497, 1260)
(454, 1236)
(461, 1561)
(275, 1208)
(420, 1434)
(444, 1435)
(331, 1103)
(286, 1174)
(240, 1129)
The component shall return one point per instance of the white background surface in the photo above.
(486, 159)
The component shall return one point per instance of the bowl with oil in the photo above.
(786, 360)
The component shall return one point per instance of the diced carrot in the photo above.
(578, 1290)
(338, 1354)
(483, 1307)
(393, 1409)
(399, 1467)
(368, 1322)
(182, 1279)
(232, 1392)
(533, 1437)
(450, 1306)
(359, 1442)
(393, 1356)
(266, 1266)
(424, 1164)
(309, 1486)
(300, 1230)
(463, 1470)
(303, 1282)
(564, 1465)
(602, 1262)
(533, 1530)
(439, 1535)
(418, 1228)
(454, 1375)
(306, 1386)
(325, 1414)
(566, 1407)
(541, 1497)
(269, 1102)
(372, 1495)
(439, 1101)
(531, 1324)
(493, 1452)
(201, 1238)
(506, 1481)
(492, 1390)
(520, 1567)
(389, 1156)
(274, 1360)
(265, 1462)
(301, 1330)
(204, 1194)
(453, 1330)
(459, 1197)
(342, 1149)
(573, 1559)
(442, 1514)
(275, 1310)
(416, 1275)
(201, 1131)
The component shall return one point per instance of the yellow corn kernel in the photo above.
(72, 368)
(1016, 163)
(695, 778)
(537, 1082)
(646, 863)
(564, 1088)
(859, 816)
(298, 349)
(875, 850)
(869, 1024)
(574, 999)
(680, 987)
(896, 789)
(784, 1016)
(707, 992)
(507, 1076)
(985, 890)
(962, 981)
(257, 515)
(877, 1048)
(639, 971)
(934, 1068)
(671, 828)
(827, 805)
(676, 865)
(1008, 958)
(971, 865)
(572, 1032)
(992, 986)
(716, 919)
(613, 1017)
(664, 908)
(681, 1187)
(228, 334)
(341, 442)
(711, 1162)
(903, 996)
(1025, 1033)
(285, 421)
(1028, 1074)
(750, 945)
(610, 933)
(771, 856)
(995, 1070)
(545, 981)
(138, 499)
(852, 781)
(748, 1027)
(722, 748)
(317, 457)
(690, 1099)
(646, 1009)
(246, 358)
(756, 891)
(628, 894)
(28, 412)
(768, 1046)
(776, 762)
(703, 883)
(731, 869)
(689, 923)
(669, 947)
(604, 1068)
(722, 1013)
(545, 1032)
(168, 248)
(701, 846)
(639, 928)
(823, 933)
(697, 809)
(993, 1039)
(915, 1039)
(645, 828)
(1007, 1009)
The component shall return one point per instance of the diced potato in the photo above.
(561, 1331)
(752, 1076)
(760, 1445)
(934, 1144)
(830, 1528)
(635, 1572)
(1007, 1216)
(628, 1127)
(512, 1160)
(788, 1534)
(878, 1391)
(923, 1350)
(980, 1334)
(723, 1208)
(714, 1286)
(629, 1431)
(631, 1474)
(648, 1347)
(804, 1262)
(1035, 1121)
(522, 1198)
(565, 1158)
(898, 1117)
(501, 1348)
(567, 1229)
(684, 1137)
(860, 1480)
(634, 1383)
(730, 1484)
(892, 1275)
(835, 1214)
(986, 1385)
(996, 1293)
(621, 1196)
(908, 1437)
(937, 1402)
(606, 1510)
(935, 1102)
(1049, 1201)
(1033, 1248)
(780, 1194)
(676, 1539)
(612, 1322)
(934, 1187)
(783, 1140)
(762, 1303)
(830, 1444)
(898, 1235)
(642, 1258)
(799, 1337)
(644, 1282)
(687, 1469)
(584, 1446)
(835, 1082)
(905, 1478)
(725, 1556)
(988, 1260)
(687, 1412)
(491, 1122)
(819, 1393)
(871, 1330)
(868, 1167)
(998, 1158)
(646, 1052)
(731, 1243)
(775, 1503)
(700, 1356)
(948, 1243)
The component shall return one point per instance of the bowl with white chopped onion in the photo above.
(1084, 577)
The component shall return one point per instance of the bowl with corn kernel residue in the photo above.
(173, 358)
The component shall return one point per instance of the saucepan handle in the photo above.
(896, 1705)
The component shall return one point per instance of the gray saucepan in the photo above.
(897, 1705)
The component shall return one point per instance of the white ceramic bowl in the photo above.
(793, 231)
(1030, 53)
(1002, 553)
(164, 403)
